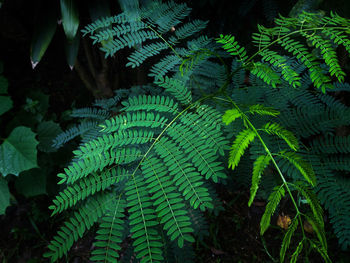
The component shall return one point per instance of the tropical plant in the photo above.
(148, 171)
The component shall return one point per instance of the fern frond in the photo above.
(319, 230)
(275, 129)
(287, 237)
(231, 115)
(273, 201)
(258, 169)
(185, 177)
(109, 235)
(169, 204)
(297, 252)
(189, 29)
(200, 154)
(91, 113)
(303, 167)
(231, 46)
(240, 144)
(298, 50)
(280, 62)
(264, 72)
(331, 144)
(207, 130)
(74, 228)
(143, 219)
(146, 51)
(73, 132)
(165, 65)
(137, 119)
(328, 53)
(312, 201)
(148, 103)
(262, 110)
(175, 87)
(127, 40)
(84, 188)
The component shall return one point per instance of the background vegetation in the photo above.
(49, 71)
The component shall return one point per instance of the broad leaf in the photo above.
(71, 49)
(18, 152)
(43, 34)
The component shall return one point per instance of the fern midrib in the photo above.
(183, 172)
(246, 119)
(111, 227)
(167, 200)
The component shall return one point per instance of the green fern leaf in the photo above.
(297, 252)
(275, 129)
(231, 46)
(312, 201)
(280, 62)
(262, 110)
(74, 228)
(188, 180)
(149, 103)
(303, 167)
(169, 204)
(273, 201)
(240, 144)
(231, 115)
(266, 73)
(258, 169)
(287, 237)
(143, 219)
(175, 87)
(319, 230)
(109, 235)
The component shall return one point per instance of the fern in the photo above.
(320, 34)
(273, 201)
(147, 172)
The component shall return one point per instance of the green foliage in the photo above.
(18, 152)
(321, 33)
(273, 201)
(144, 168)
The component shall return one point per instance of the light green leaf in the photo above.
(18, 152)
(258, 169)
(273, 201)
(70, 18)
(287, 237)
(240, 144)
(275, 129)
(43, 34)
(297, 252)
(231, 115)
(31, 183)
(262, 110)
(303, 166)
(4, 196)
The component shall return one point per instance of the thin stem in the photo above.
(285, 183)
(162, 38)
